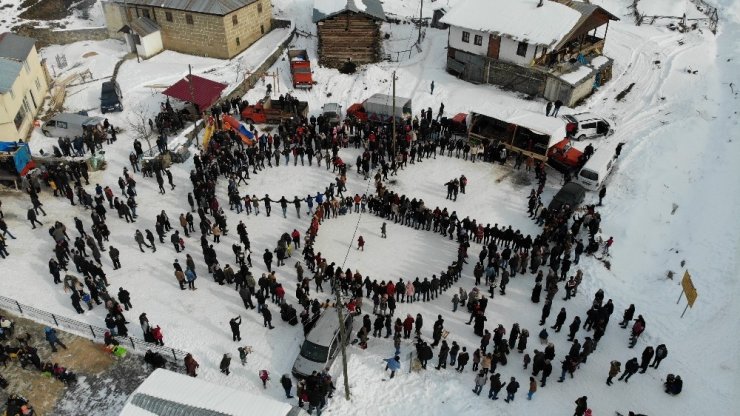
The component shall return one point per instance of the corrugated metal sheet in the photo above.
(217, 7)
(9, 71)
(15, 47)
(144, 26)
(162, 407)
(323, 10)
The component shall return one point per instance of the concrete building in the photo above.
(546, 48)
(214, 28)
(145, 35)
(24, 83)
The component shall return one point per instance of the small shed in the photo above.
(168, 393)
(144, 36)
(438, 14)
(349, 30)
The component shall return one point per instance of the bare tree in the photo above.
(138, 122)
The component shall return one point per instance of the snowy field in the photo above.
(10, 11)
(670, 199)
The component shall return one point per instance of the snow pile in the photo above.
(520, 20)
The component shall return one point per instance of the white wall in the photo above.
(508, 52)
(150, 45)
(455, 41)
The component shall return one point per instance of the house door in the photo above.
(552, 89)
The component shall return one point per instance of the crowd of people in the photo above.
(505, 253)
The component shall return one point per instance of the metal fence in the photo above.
(86, 330)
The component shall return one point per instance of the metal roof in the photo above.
(217, 7)
(15, 47)
(144, 26)
(9, 71)
(324, 9)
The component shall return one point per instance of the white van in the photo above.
(594, 172)
(69, 125)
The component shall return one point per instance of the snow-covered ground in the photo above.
(91, 17)
(670, 199)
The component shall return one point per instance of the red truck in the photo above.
(300, 68)
(564, 157)
(267, 111)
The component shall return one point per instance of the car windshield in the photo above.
(589, 174)
(314, 352)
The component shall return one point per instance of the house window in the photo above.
(262, 29)
(466, 37)
(189, 19)
(259, 7)
(478, 40)
(521, 49)
(38, 85)
(238, 43)
(28, 68)
(234, 20)
(146, 13)
(168, 16)
(19, 117)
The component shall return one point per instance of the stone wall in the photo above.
(252, 22)
(45, 36)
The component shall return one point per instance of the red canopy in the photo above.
(194, 89)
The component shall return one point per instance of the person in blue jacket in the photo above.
(393, 364)
(51, 336)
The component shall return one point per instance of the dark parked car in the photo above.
(571, 194)
(110, 97)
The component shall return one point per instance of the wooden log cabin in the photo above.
(348, 30)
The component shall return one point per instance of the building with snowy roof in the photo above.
(348, 30)
(166, 393)
(547, 48)
(214, 28)
(24, 82)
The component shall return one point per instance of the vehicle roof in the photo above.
(384, 99)
(601, 156)
(335, 107)
(76, 118)
(581, 117)
(572, 188)
(325, 328)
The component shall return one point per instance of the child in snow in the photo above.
(264, 376)
(361, 243)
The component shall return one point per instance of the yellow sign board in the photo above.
(689, 289)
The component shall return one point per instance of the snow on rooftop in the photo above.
(520, 20)
(538, 122)
(325, 8)
(574, 77)
(199, 393)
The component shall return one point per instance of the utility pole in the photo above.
(421, 10)
(342, 336)
(394, 114)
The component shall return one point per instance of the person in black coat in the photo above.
(630, 368)
(235, 323)
(511, 390)
(536, 291)
(267, 316)
(545, 311)
(559, 320)
(660, 353)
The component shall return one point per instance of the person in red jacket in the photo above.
(280, 293)
(391, 289)
(408, 325)
(157, 335)
(296, 237)
(361, 243)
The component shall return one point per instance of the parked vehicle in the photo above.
(583, 126)
(69, 125)
(570, 194)
(332, 113)
(564, 157)
(321, 345)
(457, 124)
(267, 111)
(379, 108)
(594, 172)
(110, 97)
(300, 68)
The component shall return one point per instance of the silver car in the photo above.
(321, 345)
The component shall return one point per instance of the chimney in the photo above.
(540, 3)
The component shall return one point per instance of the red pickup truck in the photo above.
(300, 68)
(564, 157)
(267, 111)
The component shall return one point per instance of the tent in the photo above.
(196, 90)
